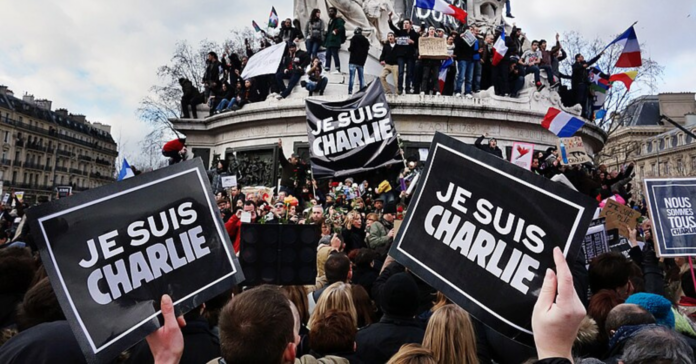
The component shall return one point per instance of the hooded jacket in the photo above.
(359, 47)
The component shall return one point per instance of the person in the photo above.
(399, 302)
(336, 296)
(580, 80)
(316, 80)
(508, 7)
(234, 224)
(611, 271)
(431, 70)
(336, 269)
(364, 272)
(335, 36)
(389, 59)
(250, 94)
(413, 354)
(216, 175)
(530, 60)
(292, 67)
(364, 306)
(450, 336)
(491, 148)
(406, 51)
(314, 32)
(516, 77)
(502, 69)
(464, 54)
(601, 304)
(478, 67)
(227, 98)
(191, 98)
(294, 171)
(288, 34)
(211, 76)
(353, 233)
(557, 57)
(333, 337)
(625, 314)
(657, 344)
(175, 150)
(359, 48)
(236, 195)
(486, 62)
(546, 63)
(381, 233)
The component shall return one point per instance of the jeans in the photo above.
(317, 86)
(410, 64)
(294, 78)
(549, 73)
(535, 71)
(361, 77)
(465, 72)
(478, 70)
(313, 47)
(333, 51)
(225, 104)
(508, 7)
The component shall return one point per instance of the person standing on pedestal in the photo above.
(359, 47)
(407, 53)
(390, 60)
(335, 36)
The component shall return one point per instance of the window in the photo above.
(6, 136)
(46, 181)
(674, 141)
(14, 177)
(25, 177)
(662, 144)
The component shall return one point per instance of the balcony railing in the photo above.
(85, 158)
(75, 171)
(103, 162)
(65, 153)
(17, 163)
(62, 169)
(32, 165)
(34, 146)
(6, 162)
(48, 167)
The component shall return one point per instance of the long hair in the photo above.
(364, 306)
(413, 354)
(337, 296)
(350, 217)
(313, 15)
(298, 296)
(450, 335)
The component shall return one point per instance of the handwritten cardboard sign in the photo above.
(618, 216)
(573, 151)
(432, 48)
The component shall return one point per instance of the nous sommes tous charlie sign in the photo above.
(111, 253)
(484, 235)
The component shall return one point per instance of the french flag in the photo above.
(630, 57)
(443, 7)
(499, 49)
(560, 123)
(442, 78)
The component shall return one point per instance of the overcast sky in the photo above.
(99, 58)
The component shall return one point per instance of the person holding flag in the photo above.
(580, 80)
(501, 63)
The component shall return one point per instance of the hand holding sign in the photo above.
(167, 343)
(555, 325)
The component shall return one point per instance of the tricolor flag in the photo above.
(560, 123)
(442, 78)
(499, 49)
(630, 56)
(626, 78)
(273, 18)
(443, 7)
(126, 171)
(256, 26)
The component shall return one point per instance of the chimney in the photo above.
(103, 127)
(79, 118)
(3, 89)
(28, 98)
(44, 104)
(62, 112)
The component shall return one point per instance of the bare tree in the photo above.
(618, 98)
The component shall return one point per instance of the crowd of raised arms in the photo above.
(312, 53)
(364, 307)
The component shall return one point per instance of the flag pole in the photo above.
(413, 9)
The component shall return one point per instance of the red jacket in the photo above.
(234, 228)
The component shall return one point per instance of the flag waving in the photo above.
(626, 78)
(499, 49)
(630, 56)
(256, 26)
(442, 78)
(273, 18)
(560, 123)
(443, 7)
(126, 171)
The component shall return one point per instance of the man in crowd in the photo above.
(236, 195)
(234, 224)
(464, 55)
(531, 59)
(407, 51)
(175, 150)
(337, 269)
(580, 80)
(389, 60)
(335, 36)
(359, 47)
(292, 67)
(491, 148)
(294, 172)
(191, 98)
(288, 34)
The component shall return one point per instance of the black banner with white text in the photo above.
(672, 204)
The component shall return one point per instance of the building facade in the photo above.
(43, 149)
(658, 148)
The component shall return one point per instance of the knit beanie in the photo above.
(657, 305)
(400, 296)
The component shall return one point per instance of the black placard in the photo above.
(110, 258)
(671, 203)
(491, 266)
(279, 254)
(351, 136)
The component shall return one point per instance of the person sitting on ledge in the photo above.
(291, 67)
(227, 99)
(316, 80)
(192, 97)
(250, 94)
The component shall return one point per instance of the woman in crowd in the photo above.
(450, 336)
(353, 233)
(314, 33)
(337, 296)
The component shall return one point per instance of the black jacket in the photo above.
(359, 46)
(297, 63)
(462, 50)
(289, 34)
(495, 151)
(380, 341)
(390, 55)
(48, 342)
(353, 238)
(580, 69)
(408, 51)
(212, 74)
(291, 172)
(190, 91)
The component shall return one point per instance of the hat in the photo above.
(349, 180)
(380, 199)
(400, 296)
(389, 208)
(657, 305)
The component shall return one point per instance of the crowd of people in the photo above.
(470, 69)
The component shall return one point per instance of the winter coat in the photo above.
(211, 77)
(44, 343)
(353, 238)
(335, 40)
(377, 237)
(289, 34)
(295, 63)
(200, 345)
(462, 50)
(359, 47)
(390, 55)
(580, 75)
(380, 341)
(365, 276)
(495, 151)
(410, 50)
(314, 30)
(292, 173)
(190, 91)
(215, 177)
(309, 359)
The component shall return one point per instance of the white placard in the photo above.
(229, 181)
